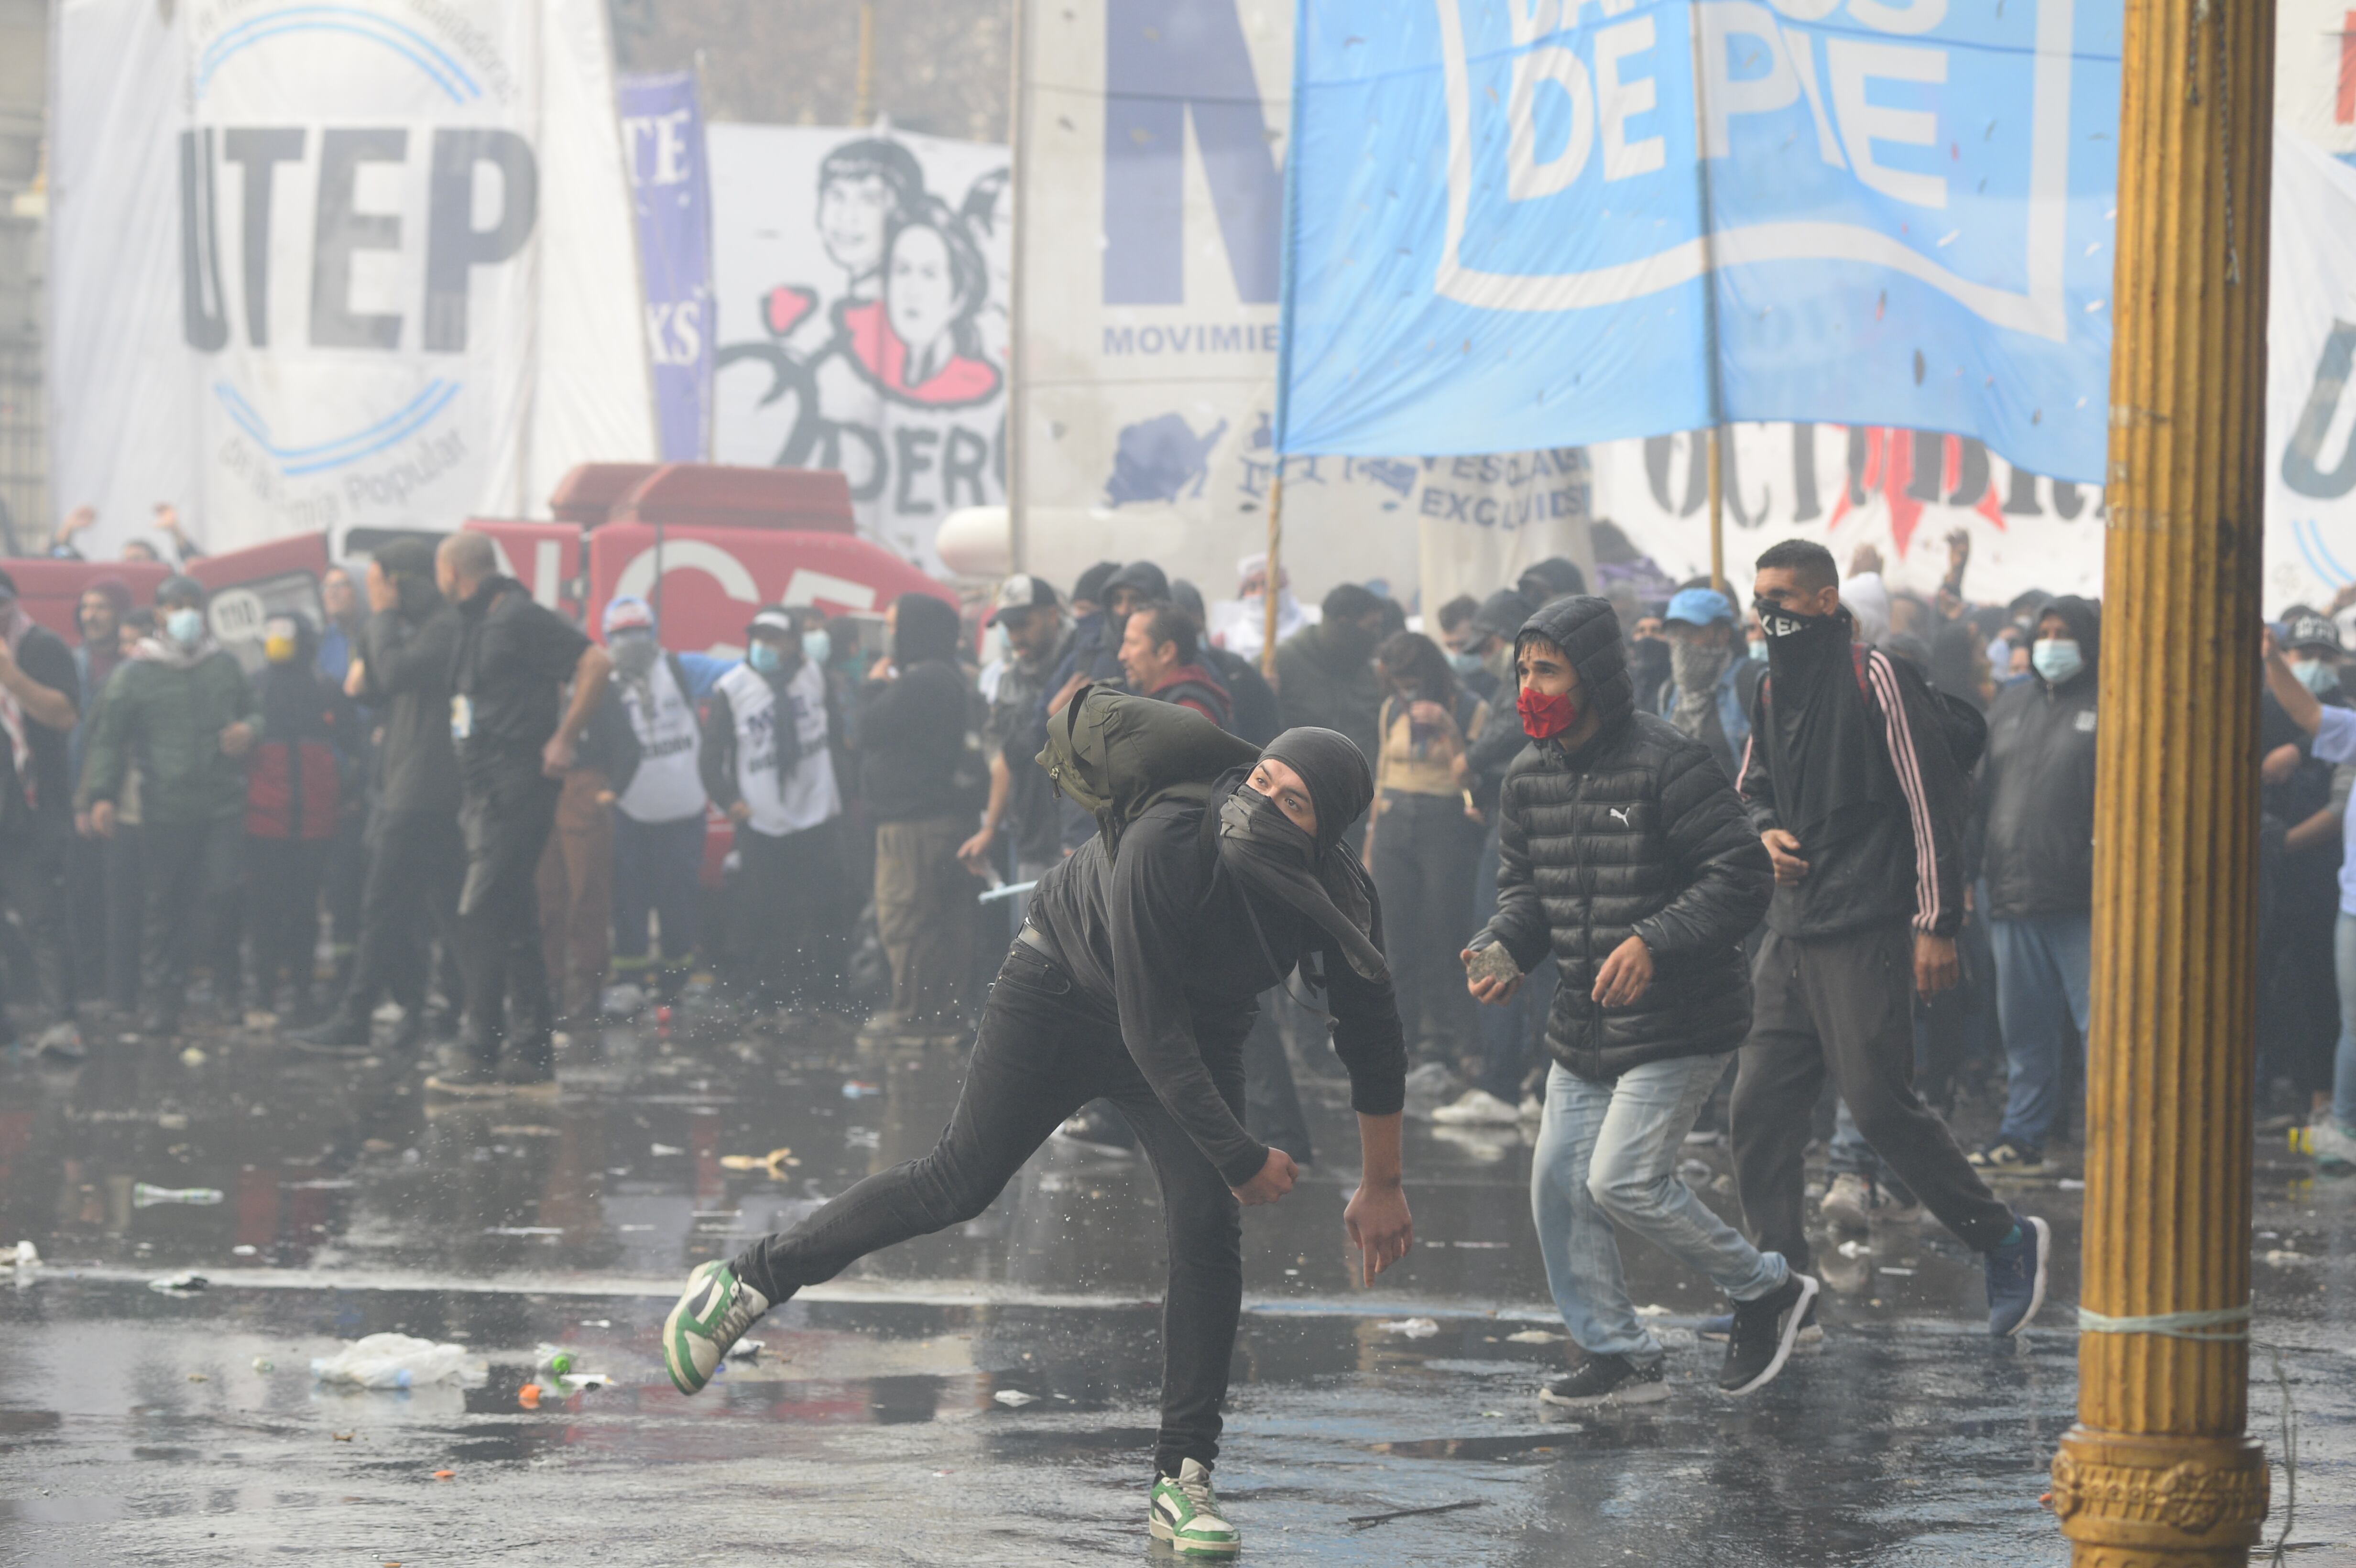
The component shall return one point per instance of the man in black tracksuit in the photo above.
(1135, 979)
(1852, 788)
(409, 893)
(515, 739)
(1626, 855)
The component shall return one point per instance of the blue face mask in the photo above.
(765, 658)
(2056, 658)
(185, 627)
(1466, 664)
(2320, 677)
(817, 646)
(1759, 649)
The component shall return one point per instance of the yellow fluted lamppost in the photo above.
(2158, 1472)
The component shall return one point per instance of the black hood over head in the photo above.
(923, 628)
(1502, 614)
(1322, 880)
(1588, 629)
(1557, 577)
(2084, 619)
(1141, 576)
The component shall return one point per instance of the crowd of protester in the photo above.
(507, 828)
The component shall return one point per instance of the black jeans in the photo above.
(33, 880)
(784, 934)
(1844, 1006)
(191, 871)
(1042, 1053)
(126, 914)
(409, 899)
(506, 829)
(1427, 861)
(659, 872)
(282, 913)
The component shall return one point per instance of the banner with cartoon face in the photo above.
(304, 256)
(861, 288)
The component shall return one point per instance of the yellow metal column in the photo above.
(2158, 1472)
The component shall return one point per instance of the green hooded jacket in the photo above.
(164, 716)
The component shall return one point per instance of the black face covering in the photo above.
(1264, 850)
(1787, 627)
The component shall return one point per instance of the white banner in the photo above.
(861, 281)
(1904, 493)
(302, 257)
(1151, 188)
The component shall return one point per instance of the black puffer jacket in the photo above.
(2036, 786)
(1638, 832)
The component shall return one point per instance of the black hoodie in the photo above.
(1637, 832)
(911, 729)
(2037, 786)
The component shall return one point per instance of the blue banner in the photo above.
(662, 140)
(1535, 223)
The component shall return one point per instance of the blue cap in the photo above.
(1699, 607)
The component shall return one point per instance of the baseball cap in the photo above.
(2313, 630)
(628, 612)
(1020, 592)
(772, 618)
(1699, 607)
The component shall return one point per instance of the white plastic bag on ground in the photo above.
(397, 1361)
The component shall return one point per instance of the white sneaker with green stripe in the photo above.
(711, 1317)
(1186, 1515)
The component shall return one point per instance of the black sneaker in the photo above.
(1764, 1331)
(524, 1077)
(1720, 1328)
(1607, 1379)
(340, 1033)
(466, 1080)
(2006, 1157)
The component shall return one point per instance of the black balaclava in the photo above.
(1319, 878)
(1140, 577)
(923, 628)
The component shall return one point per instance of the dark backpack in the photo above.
(1113, 754)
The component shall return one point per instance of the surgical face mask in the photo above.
(2056, 658)
(817, 646)
(1759, 649)
(1466, 664)
(765, 658)
(2320, 677)
(633, 653)
(185, 627)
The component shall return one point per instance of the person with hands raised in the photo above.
(1625, 854)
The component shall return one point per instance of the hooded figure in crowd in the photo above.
(912, 727)
(1135, 979)
(2037, 816)
(1325, 674)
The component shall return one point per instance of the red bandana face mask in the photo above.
(1543, 717)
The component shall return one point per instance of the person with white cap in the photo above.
(766, 764)
(658, 820)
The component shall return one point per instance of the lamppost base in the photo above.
(2129, 1501)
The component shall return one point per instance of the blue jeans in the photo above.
(1607, 1154)
(2042, 965)
(2343, 1066)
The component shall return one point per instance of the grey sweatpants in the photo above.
(1843, 1005)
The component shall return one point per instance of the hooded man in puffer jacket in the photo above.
(1626, 854)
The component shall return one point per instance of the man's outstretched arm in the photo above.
(1376, 1219)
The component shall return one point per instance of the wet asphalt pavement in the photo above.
(139, 1426)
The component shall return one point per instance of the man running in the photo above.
(1135, 979)
(1627, 856)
